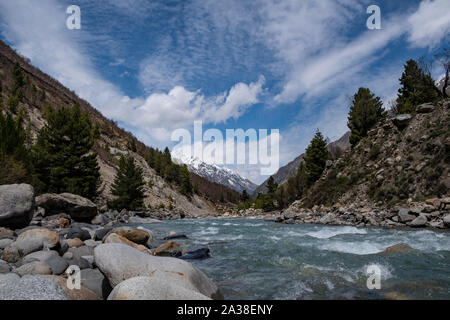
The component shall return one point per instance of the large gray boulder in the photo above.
(135, 235)
(120, 262)
(425, 108)
(79, 208)
(404, 216)
(152, 288)
(35, 267)
(16, 205)
(447, 220)
(31, 287)
(420, 221)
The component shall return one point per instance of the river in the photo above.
(255, 259)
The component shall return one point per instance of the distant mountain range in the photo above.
(214, 173)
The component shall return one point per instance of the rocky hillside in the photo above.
(41, 90)
(404, 158)
(335, 148)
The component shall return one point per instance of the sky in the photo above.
(291, 65)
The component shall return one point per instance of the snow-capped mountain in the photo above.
(214, 173)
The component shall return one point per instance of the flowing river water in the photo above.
(255, 259)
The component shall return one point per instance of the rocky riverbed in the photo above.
(46, 240)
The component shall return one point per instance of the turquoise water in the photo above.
(254, 259)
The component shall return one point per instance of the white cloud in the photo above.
(430, 24)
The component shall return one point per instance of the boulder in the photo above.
(420, 221)
(115, 238)
(95, 281)
(201, 253)
(79, 208)
(175, 236)
(120, 262)
(32, 287)
(398, 248)
(77, 294)
(135, 235)
(404, 216)
(100, 219)
(34, 267)
(101, 233)
(5, 242)
(328, 218)
(168, 249)
(402, 120)
(6, 279)
(447, 220)
(57, 264)
(76, 232)
(425, 108)
(17, 205)
(39, 256)
(74, 243)
(151, 288)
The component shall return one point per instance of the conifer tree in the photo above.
(271, 185)
(365, 111)
(245, 196)
(186, 184)
(62, 158)
(416, 88)
(315, 158)
(128, 186)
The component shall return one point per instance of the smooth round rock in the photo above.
(34, 267)
(135, 235)
(151, 288)
(32, 287)
(79, 208)
(17, 205)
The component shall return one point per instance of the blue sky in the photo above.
(155, 66)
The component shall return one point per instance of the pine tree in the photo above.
(128, 186)
(186, 184)
(62, 157)
(271, 185)
(416, 88)
(15, 165)
(245, 196)
(316, 158)
(365, 112)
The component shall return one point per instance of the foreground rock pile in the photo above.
(433, 213)
(43, 239)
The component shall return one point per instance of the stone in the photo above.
(6, 279)
(402, 120)
(34, 267)
(120, 262)
(32, 287)
(6, 233)
(404, 216)
(5, 242)
(398, 248)
(39, 256)
(95, 281)
(4, 267)
(92, 243)
(135, 235)
(79, 208)
(170, 248)
(151, 288)
(11, 254)
(115, 238)
(175, 236)
(58, 223)
(100, 219)
(101, 233)
(420, 221)
(201, 253)
(328, 218)
(76, 232)
(17, 205)
(77, 294)
(74, 243)
(447, 220)
(57, 264)
(425, 108)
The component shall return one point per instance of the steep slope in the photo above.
(405, 158)
(40, 90)
(336, 148)
(214, 173)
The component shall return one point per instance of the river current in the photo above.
(255, 259)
